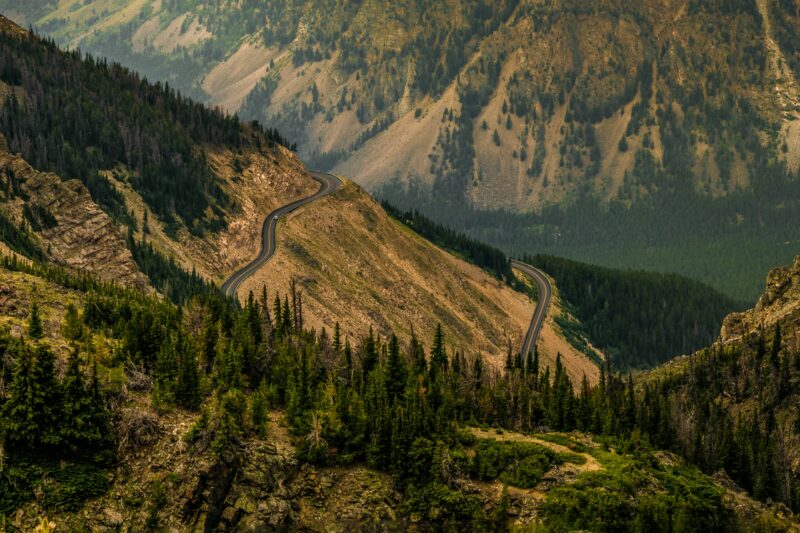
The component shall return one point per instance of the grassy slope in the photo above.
(358, 266)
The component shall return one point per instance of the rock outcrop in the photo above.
(73, 230)
(780, 302)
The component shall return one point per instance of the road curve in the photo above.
(545, 293)
(328, 184)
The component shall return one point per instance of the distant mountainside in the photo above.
(656, 108)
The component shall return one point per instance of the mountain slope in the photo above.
(356, 266)
(133, 145)
(563, 83)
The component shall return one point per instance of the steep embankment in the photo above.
(734, 404)
(64, 222)
(357, 266)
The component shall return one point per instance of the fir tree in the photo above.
(47, 400)
(72, 327)
(258, 408)
(438, 361)
(79, 428)
(369, 358)
(477, 372)
(35, 328)
(337, 339)
(187, 387)
(22, 421)
(417, 354)
(395, 371)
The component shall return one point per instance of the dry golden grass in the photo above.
(357, 266)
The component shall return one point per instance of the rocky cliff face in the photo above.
(779, 303)
(71, 228)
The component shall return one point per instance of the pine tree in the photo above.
(79, 429)
(337, 339)
(35, 328)
(395, 371)
(346, 366)
(165, 374)
(369, 356)
(22, 422)
(509, 366)
(276, 308)
(229, 373)
(417, 354)
(47, 401)
(208, 339)
(258, 408)
(72, 328)
(286, 316)
(438, 361)
(477, 372)
(264, 308)
(187, 387)
(630, 405)
(98, 416)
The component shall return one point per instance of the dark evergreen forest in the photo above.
(639, 319)
(79, 116)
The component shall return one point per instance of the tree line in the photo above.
(483, 255)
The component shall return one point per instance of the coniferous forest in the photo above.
(80, 116)
(94, 375)
(639, 319)
(398, 405)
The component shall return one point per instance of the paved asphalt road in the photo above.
(545, 293)
(328, 184)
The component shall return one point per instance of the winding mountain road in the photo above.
(539, 315)
(328, 184)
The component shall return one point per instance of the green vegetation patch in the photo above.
(519, 464)
(637, 494)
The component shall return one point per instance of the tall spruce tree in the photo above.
(22, 421)
(395, 371)
(438, 361)
(35, 328)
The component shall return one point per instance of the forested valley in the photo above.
(671, 315)
(639, 319)
(719, 241)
